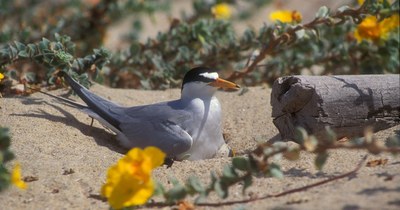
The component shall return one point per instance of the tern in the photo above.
(189, 128)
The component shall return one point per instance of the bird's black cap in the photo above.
(195, 74)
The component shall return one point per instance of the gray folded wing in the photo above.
(159, 125)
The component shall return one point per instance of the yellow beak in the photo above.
(224, 84)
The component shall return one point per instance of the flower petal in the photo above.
(157, 156)
(129, 182)
(221, 11)
(16, 177)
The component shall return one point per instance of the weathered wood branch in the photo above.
(347, 104)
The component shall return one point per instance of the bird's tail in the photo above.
(65, 100)
(97, 104)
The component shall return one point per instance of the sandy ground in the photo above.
(50, 138)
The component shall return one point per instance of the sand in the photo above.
(51, 140)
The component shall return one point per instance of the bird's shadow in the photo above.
(101, 136)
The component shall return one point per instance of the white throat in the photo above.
(197, 90)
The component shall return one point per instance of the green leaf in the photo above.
(248, 36)
(343, 8)
(4, 178)
(58, 46)
(315, 32)
(221, 189)
(332, 137)
(174, 181)
(183, 54)
(23, 54)
(4, 52)
(357, 141)
(200, 198)
(229, 172)
(13, 52)
(4, 138)
(158, 62)
(300, 135)
(64, 57)
(300, 33)
(213, 177)
(267, 151)
(177, 193)
(31, 50)
(135, 48)
(159, 189)
(44, 44)
(248, 180)
(19, 46)
(393, 141)
(52, 80)
(241, 163)
(202, 39)
(243, 90)
(13, 74)
(83, 79)
(57, 37)
(8, 156)
(195, 184)
(275, 170)
(322, 12)
(30, 77)
(320, 160)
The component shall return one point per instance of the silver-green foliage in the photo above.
(5, 156)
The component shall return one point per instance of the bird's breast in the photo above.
(205, 128)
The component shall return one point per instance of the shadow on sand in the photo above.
(100, 135)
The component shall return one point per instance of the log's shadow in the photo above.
(101, 136)
(277, 138)
(351, 207)
(376, 190)
(397, 133)
(394, 202)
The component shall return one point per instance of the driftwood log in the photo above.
(347, 104)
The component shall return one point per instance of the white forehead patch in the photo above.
(213, 75)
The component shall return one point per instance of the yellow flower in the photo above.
(1, 76)
(286, 16)
(221, 11)
(361, 2)
(129, 182)
(16, 177)
(389, 24)
(372, 30)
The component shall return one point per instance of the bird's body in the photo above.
(147, 125)
(186, 128)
